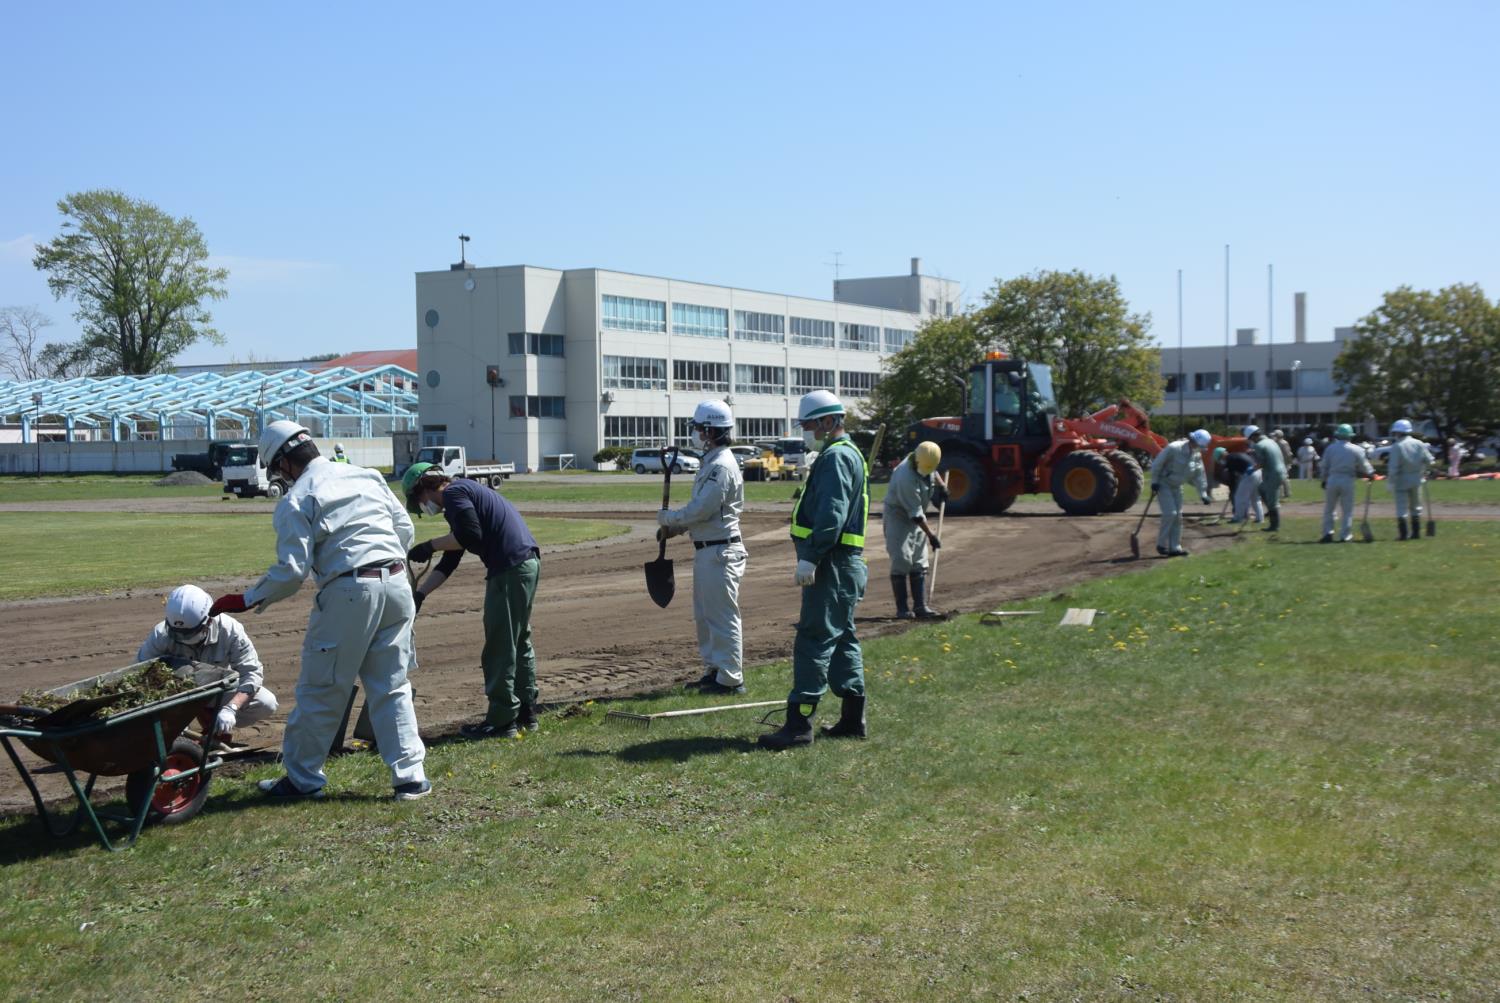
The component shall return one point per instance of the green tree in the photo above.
(1082, 327)
(139, 277)
(1423, 354)
(925, 379)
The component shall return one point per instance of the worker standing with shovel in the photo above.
(1272, 473)
(907, 535)
(1343, 461)
(1174, 466)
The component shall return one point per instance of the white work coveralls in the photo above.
(1405, 470)
(336, 519)
(1247, 503)
(712, 518)
(905, 503)
(1174, 466)
(1307, 463)
(226, 645)
(1342, 463)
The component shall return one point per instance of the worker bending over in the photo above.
(907, 534)
(190, 631)
(483, 522)
(1405, 470)
(342, 525)
(828, 528)
(1174, 466)
(712, 518)
(1343, 461)
(1272, 473)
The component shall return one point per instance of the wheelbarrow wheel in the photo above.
(172, 803)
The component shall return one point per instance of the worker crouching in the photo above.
(907, 534)
(1177, 463)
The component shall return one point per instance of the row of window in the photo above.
(535, 344)
(626, 313)
(537, 407)
(631, 372)
(640, 430)
(1307, 381)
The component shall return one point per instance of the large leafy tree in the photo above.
(1082, 327)
(139, 277)
(1424, 354)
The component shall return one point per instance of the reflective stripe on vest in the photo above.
(800, 532)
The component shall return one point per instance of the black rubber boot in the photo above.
(798, 729)
(1274, 518)
(898, 587)
(851, 723)
(919, 605)
(526, 718)
(1401, 527)
(1416, 528)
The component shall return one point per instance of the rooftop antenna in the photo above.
(835, 264)
(463, 243)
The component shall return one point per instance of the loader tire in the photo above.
(1131, 479)
(966, 483)
(1084, 483)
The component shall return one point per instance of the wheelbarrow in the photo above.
(166, 775)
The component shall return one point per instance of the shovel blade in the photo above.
(1135, 546)
(660, 582)
(1431, 528)
(1367, 533)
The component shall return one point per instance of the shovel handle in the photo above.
(666, 480)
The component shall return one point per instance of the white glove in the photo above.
(227, 719)
(806, 573)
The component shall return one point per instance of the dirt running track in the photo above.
(596, 632)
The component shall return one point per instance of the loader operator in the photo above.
(188, 631)
(342, 525)
(1405, 470)
(1343, 461)
(1173, 467)
(712, 518)
(484, 522)
(1272, 474)
(828, 528)
(907, 535)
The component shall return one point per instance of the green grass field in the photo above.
(1265, 773)
(68, 553)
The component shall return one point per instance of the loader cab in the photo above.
(1010, 399)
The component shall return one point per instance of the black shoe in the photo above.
(1401, 527)
(1179, 552)
(898, 588)
(526, 718)
(718, 689)
(413, 791)
(1163, 552)
(851, 722)
(1416, 529)
(798, 729)
(905, 614)
(711, 676)
(486, 730)
(285, 790)
(1327, 538)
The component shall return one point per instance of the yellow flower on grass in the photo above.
(1121, 646)
(947, 647)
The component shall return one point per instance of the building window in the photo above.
(1207, 382)
(683, 435)
(703, 377)
(434, 435)
(759, 379)
(805, 381)
(1283, 379)
(1314, 381)
(948, 309)
(537, 407)
(626, 313)
(859, 337)
(700, 321)
(634, 430)
(857, 384)
(752, 326)
(812, 333)
(522, 343)
(1173, 381)
(932, 307)
(897, 338)
(749, 429)
(630, 372)
(1241, 380)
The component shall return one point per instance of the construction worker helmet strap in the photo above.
(1401, 426)
(928, 456)
(1345, 431)
(818, 404)
(1201, 438)
(278, 437)
(713, 414)
(187, 613)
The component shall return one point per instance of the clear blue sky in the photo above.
(329, 151)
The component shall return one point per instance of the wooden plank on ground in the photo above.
(1077, 617)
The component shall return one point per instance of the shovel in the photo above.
(1135, 538)
(1431, 522)
(660, 582)
(1364, 524)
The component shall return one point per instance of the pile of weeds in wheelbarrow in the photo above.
(145, 685)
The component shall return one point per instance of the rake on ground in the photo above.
(645, 720)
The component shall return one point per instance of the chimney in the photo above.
(916, 266)
(1244, 336)
(1300, 300)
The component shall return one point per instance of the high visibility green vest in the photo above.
(848, 539)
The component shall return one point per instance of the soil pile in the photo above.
(183, 478)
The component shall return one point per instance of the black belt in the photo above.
(714, 543)
(374, 570)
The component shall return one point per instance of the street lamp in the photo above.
(1297, 390)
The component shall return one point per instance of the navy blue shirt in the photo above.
(488, 525)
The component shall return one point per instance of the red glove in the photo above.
(228, 604)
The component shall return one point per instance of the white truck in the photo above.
(452, 461)
(245, 475)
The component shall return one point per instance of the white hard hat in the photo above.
(277, 436)
(1201, 438)
(818, 404)
(338, 447)
(1401, 426)
(1249, 430)
(187, 613)
(713, 414)
(1307, 442)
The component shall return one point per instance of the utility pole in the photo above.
(1181, 376)
(1226, 334)
(1271, 341)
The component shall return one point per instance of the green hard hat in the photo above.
(1219, 451)
(1344, 431)
(409, 482)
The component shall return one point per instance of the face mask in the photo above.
(429, 508)
(810, 437)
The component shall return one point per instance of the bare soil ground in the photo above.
(597, 633)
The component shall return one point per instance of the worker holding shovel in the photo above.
(712, 518)
(1406, 470)
(903, 518)
(1272, 473)
(1343, 461)
(828, 528)
(1173, 467)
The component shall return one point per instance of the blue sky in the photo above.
(330, 151)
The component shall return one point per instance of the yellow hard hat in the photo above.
(929, 455)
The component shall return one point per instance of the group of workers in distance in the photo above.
(340, 524)
(1257, 480)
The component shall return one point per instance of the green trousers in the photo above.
(826, 652)
(508, 660)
